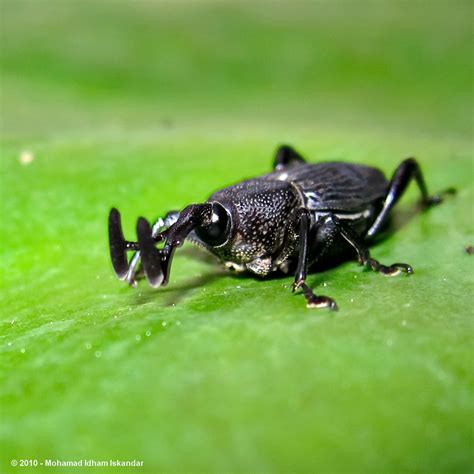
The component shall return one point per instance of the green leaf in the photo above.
(152, 107)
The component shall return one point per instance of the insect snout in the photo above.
(210, 222)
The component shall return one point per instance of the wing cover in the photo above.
(335, 186)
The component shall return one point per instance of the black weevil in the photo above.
(291, 219)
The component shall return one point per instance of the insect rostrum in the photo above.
(289, 220)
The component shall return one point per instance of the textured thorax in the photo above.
(263, 212)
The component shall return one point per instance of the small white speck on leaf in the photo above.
(22, 350)
(148, 333)
(389, 342)
(88, 346)
(9, 344)
(164, 323)
(98, 354)
(138, 337)
(404, 322)
(26, 157)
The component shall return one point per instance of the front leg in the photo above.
(312, 300)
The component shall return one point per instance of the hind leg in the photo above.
(408, 170)
(286, 157)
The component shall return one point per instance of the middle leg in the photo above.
(312, 300)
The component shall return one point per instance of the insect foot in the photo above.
(313, 301)
(391, 270)
(438, 198)
(321, 302)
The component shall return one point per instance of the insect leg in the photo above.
(312, 301)
(286, 156)
(364, 254)
(408, 170)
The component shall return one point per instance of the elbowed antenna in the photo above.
(118, 245)
(126, 269)
(157, 262)
(152, 258)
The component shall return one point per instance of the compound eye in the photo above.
(217, 233)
